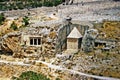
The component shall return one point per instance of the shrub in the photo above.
(30, 75)
(2, 18)
(57, 79)
(26, 20)
(48, 3)
(27, 4)
(57, 2)
(13, 26)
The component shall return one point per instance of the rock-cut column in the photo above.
(88, 40)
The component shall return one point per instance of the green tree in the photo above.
(30, 75)
(26, 20)
(2, 18)
(13, 26)
(57, 2)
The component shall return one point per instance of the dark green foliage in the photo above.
(7, 5)
(48, 3)
(26, 20)
(30, 75)
(2, 18)
(3, 0)
(57, 2)
(13, 26)
(20, 6)
(57, 79)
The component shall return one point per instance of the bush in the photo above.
(2, 18)
(57, 79)
(30, 75)
(13, 26)
(26, 20)
(57, 2)
(28, 4)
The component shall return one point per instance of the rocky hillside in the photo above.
(95, 63)
(22, 4)
(84, 11)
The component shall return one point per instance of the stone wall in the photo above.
(72, 43)
(53, 39)
(64, 31)
(48, 37)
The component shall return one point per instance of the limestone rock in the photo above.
(52, 34)
(88, 40)
(11, 42)
(18, 55)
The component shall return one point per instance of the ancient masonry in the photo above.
(48, 39)
(53, 38)
(74, 39)
(41, 40)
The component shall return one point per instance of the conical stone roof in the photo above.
(74, 33)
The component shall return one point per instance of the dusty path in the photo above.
(60, 68)
(14, 63)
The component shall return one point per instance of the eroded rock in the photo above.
(88, 40)
(11, 42)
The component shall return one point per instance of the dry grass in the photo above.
(110, 28)
(108, 65)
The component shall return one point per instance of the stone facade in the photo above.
(89, 40)
(40, 40)
(74, 39)
(53, 39)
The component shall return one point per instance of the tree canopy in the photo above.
(30, 75)
(2, 18)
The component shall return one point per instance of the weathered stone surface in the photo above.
(88, 40)
(18, 55)
(11, 42)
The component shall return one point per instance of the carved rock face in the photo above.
(88, 40)
(10, 42)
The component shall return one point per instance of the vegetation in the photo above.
(108, 65)
(13, 26)
(57, 79)
(21, 4)
(30, 75)
(2, 18)
(110, 28)
(26, 20)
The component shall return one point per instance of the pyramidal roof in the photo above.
(74, 33)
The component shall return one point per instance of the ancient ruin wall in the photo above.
(53, 38)
(64, 31)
